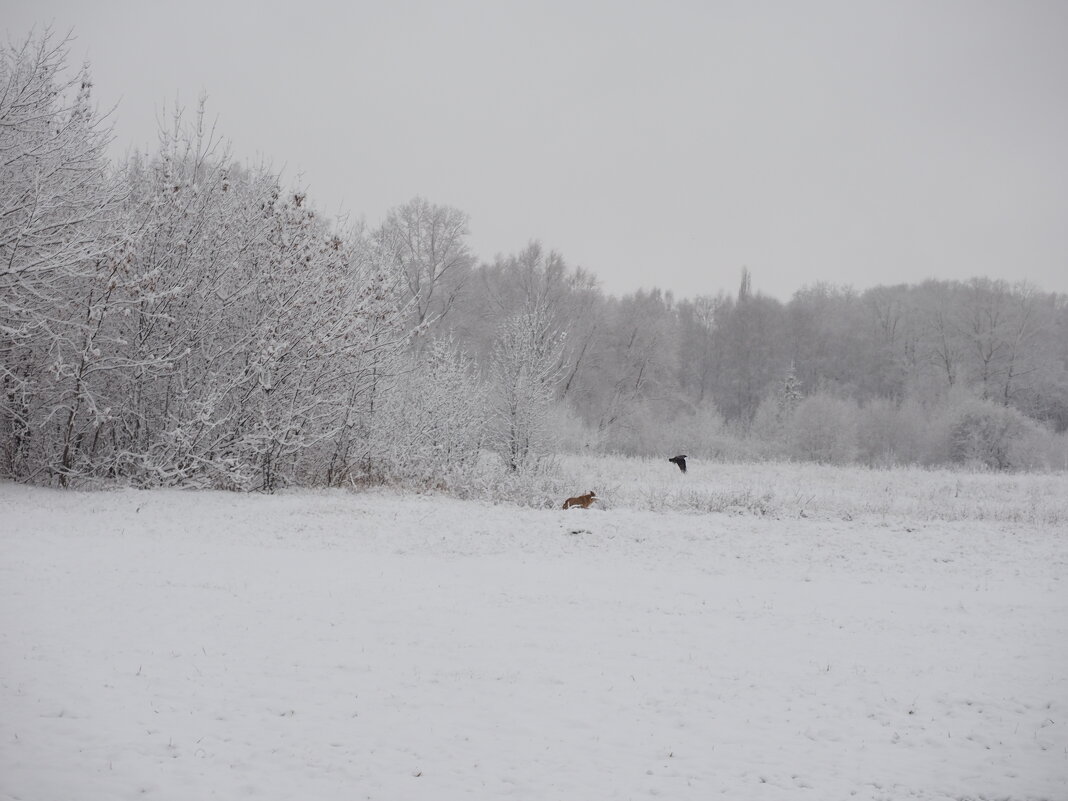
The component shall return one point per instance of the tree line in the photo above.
(182, 318)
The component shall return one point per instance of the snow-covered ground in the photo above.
(329, 645)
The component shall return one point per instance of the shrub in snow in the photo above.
(431, 426)
(824, 429)
(649, 425)
(890, 434)
(1038, 448)
(984, 433)
(774, 416)
(572, 435)
(540, 484)
(526, 367)
(700, 432)
(768, 432)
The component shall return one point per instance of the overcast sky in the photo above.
(659, 144)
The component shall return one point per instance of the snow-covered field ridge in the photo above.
(330, 645)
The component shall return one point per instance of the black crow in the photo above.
(680, 461)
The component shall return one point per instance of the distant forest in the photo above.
(181, 318)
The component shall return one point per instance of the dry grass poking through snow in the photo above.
(808, 490)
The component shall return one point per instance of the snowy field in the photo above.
(797, 642)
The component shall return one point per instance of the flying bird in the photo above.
(680, 461)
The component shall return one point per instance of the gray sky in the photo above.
(659, 144)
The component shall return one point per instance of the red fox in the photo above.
(581, 500)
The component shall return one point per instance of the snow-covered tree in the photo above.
(526, 368)
(638, 366)
(251, 325)
(202, 227)
(984, 433)
(60, 256)
(889, 433)
(432, 426)
(789, 394)
(824, 429)
(427, 243)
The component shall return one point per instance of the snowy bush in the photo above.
(431, 426)
(769, 431)
(890, 434)
(525, 369)
(571, 433)
(984, 433)
(824, 429)
(771, 425)
(540, 484)
(647, 426)
(699, 432)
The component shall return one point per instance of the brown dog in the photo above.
(581, 500)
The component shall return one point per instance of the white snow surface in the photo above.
(332, 645)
